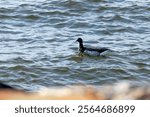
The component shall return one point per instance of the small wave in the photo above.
(32, 17)
(20, 60)
(19, 68)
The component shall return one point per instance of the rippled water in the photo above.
(38, 48)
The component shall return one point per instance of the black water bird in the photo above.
(89, 50)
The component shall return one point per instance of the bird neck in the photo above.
(81, 47)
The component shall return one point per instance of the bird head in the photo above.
(79, 40)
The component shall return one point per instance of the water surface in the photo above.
(37, 41)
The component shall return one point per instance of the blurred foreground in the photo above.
(122, 90)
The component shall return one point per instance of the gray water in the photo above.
(38, 48)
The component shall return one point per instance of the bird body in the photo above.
(89, 50)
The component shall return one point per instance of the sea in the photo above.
(38, 45)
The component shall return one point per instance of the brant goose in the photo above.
(90, 51)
